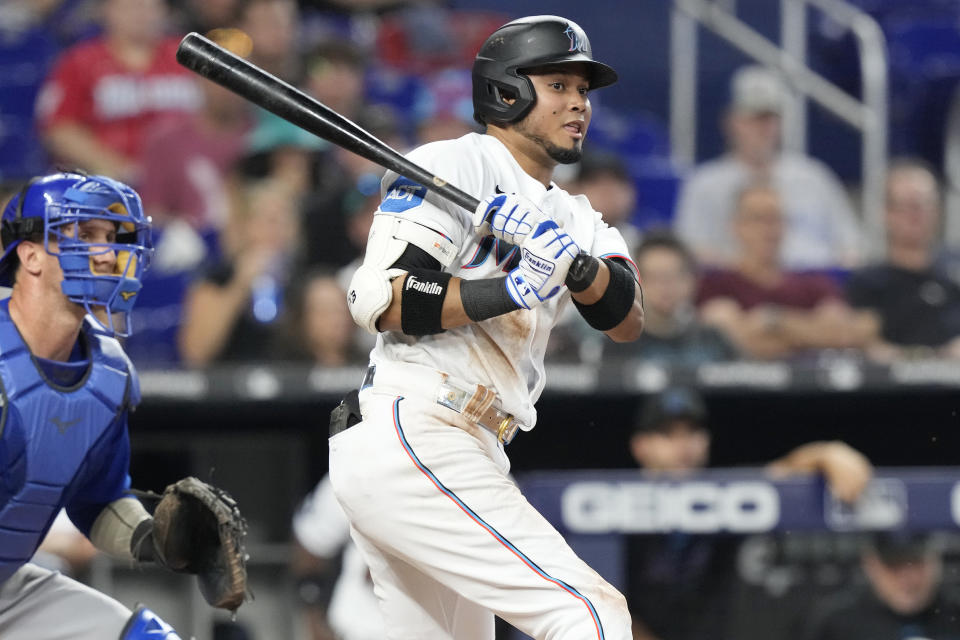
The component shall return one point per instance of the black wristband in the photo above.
(583, 271)
(485, 298)
(422, 303)
(141, 542)
(615, 303)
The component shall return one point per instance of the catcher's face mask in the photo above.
(65, 204)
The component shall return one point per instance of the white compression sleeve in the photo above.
(115, 525)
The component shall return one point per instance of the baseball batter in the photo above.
(463, 303)
(75, 248)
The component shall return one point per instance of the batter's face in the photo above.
(558, 122)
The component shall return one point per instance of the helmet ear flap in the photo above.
(23, 195)
(492, 86)
(19, 228)
(13, 229)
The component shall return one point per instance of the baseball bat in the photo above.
(215, 63)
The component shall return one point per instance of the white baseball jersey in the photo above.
(448, 536)
(506, 352)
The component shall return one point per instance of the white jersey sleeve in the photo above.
(405, 198)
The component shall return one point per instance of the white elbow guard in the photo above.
(370, 292)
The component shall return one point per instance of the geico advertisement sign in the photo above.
(651, 507)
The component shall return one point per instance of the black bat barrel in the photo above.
(265, 90)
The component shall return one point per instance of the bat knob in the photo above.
(583, 271)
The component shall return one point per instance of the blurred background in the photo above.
(777, 456)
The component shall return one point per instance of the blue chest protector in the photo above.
(55, 442)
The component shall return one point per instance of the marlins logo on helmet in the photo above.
(575, 44)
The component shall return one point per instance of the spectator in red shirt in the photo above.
(104, 94)
(187, 161)
(768, 311)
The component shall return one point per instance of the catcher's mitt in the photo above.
(197, 528)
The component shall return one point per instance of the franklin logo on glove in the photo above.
(538, 264)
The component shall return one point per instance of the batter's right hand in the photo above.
(545, 258)
(508, 216)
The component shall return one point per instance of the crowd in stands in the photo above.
(762, 256)
(259, 225)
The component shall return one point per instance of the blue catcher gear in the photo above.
(53, 208)
(52, 436)
(146, 625)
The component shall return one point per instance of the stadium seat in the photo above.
(637, 135)
(25, 57)
(924, 69)
(658, 183)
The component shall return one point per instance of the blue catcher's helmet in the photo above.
(52, 208)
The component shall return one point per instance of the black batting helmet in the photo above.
(523, 44)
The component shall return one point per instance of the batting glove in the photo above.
(510, 217)
(545, 258)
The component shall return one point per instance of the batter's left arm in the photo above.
(608, 296)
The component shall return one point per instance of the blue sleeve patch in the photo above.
(402, 195)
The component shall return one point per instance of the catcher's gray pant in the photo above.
(449, 538)
(39, 604)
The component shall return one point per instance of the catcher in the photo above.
(74, 250)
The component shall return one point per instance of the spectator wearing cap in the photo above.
(671, 435)
(673, 333)
(679, 584)
(904, 596)
(821, 229)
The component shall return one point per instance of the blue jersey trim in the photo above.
(630, 263)
(480, 521)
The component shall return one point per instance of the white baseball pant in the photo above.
(449, 538)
